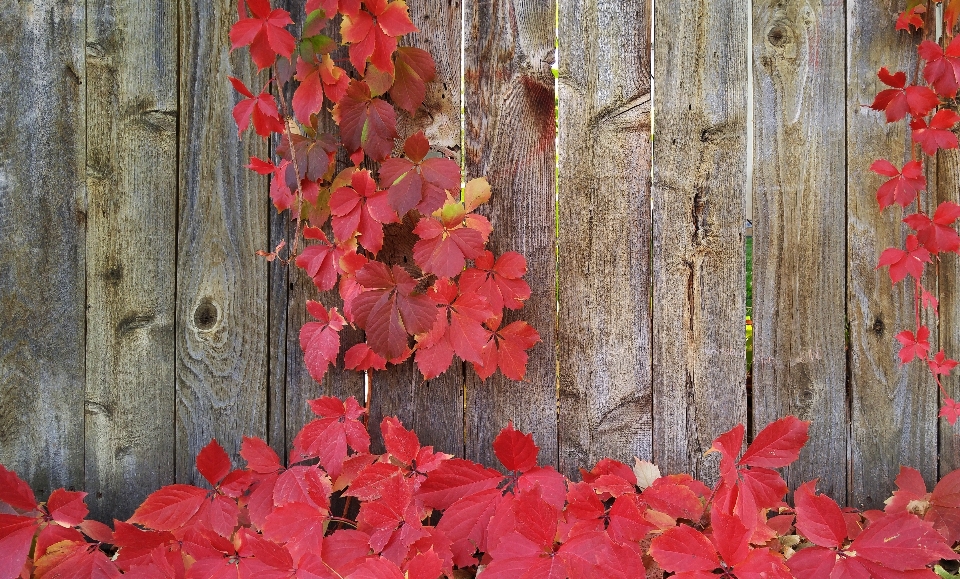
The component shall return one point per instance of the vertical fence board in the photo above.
(699, 168)
(510, 134)
(893, 410)
(947, 187)
(221, 284)
(604, 147)
(434, 408)
(131, 282)
(799, 358)
(43, 226)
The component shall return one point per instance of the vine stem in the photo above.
(287, 119)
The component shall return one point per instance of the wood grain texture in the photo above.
(131, 275)
(799, 252)
(510, 134)
(434, 408)
(699, 184)
(948, 189)
(604, 148)
(893, 409)
(43, 228)
(221, 283)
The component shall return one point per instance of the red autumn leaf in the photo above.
(361, 208)
(911, 494)
(16, 538)
(281, 194)
(902, 189)
(944, 511)
(816, 563)
(75, 560)
(941, 365)
(950, 410)
(361, 357)
(315, 157)
(423, 565)
(674, 499)
(320, 259)
(500, 282)
(778, 444)
(307, 485)
(447, 241)
(327, 438)
(942, 70)
(898, 101)
(390, 308)
(259, 456)
(905, 262)
(937, 234)
(372, 35)
(914, 346)
(684, 549)
(901, 542)
(458, 329)
(67, 507)
(260, 166)
(507, 350)
(819, 518)
(515, 450)
(170, 507)
(413, 69)
(404, 446)
(393, 521)
(265, 33)
(262, 109)
(523, 540)
(466, 520)
(213, 462)
(456, 478)
(15, 492)
(316, 80)
(416, 181)
(911, 17)
(320, 340)
(939, 134)
(366, 123)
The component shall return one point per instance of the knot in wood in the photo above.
(207, 315)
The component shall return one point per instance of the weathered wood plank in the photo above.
(893, 409)
(43, 227)
(510, 135)
(131, 251)
(799, 251)
(604, 265)
(948, 189)
(433, 408)
(221, 283)
(699, 163)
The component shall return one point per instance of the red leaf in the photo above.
(418, 182)
(459, 324)
(944, 511)
(413, 69)
(366, 123)
(70, 560)
(672, 497)
(500, 282)
(730, 537)
(170, 507)
(424, 565)
(67, 507)
(684, 549)
(943, 67)
(456, 478)
(902, 189)
(316, 80)
(361, 208)
(16, 538)
(328, 437)
(950, 410)
(299, 525)
(361, 357)
(446, 241)
(898, 101)
(265, 33)
(814, 563)
(819, 518)
(321, 340)
(515, 450)
(262, 109)
(778, 444)
(507, 350)
(911, 17)
(914, 346)
(941, 365)
(465, 522)
(762, 564)
(905, 262)
(260, 166)
(939, 134)
(937, 234)
(390, 308)
(901, 542)
(728, 445)
(259, 456)
(400, 443)
(320, 259)
(213, 462)
(15, 492)
(951, 13)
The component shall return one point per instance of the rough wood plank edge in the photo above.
(948, 184)
(221, 283)
(131, 281)
(43, 213)
(604, 272)
(433, 408)
(894, 410)
(510, 134)
(698, 190)
(799, 252)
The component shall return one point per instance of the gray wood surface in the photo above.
(698, 190)
(434, 408)
(893, 409)
(604, 261)
(510, 132)
(947, 188)
(131, 255)
(799, 251)
(43, 216)
(221, 284)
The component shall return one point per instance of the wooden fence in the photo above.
(136, 322)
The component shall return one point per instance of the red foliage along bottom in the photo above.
(417, 514)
